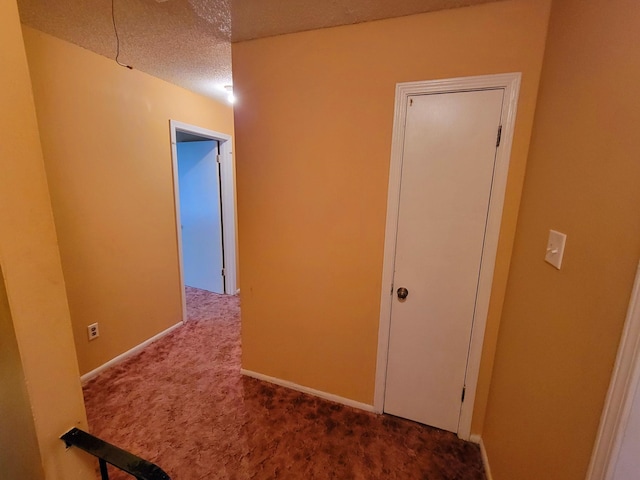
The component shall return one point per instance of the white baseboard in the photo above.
(311, 391)
(485, 459)
(129, 353)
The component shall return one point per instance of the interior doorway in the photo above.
(450, 155)
(204, 193)
(200, 213)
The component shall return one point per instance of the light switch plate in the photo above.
(555, 248)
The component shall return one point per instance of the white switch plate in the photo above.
(555, 248)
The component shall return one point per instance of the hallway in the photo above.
(183, 404)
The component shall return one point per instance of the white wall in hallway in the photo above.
(200, 217)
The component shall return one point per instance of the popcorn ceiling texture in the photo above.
(185, 42)
(188, 42)
(259, 18)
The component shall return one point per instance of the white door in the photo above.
(200, 215)
(447, 173)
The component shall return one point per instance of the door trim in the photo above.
(510, 82)
(619, 401)
(228, 207)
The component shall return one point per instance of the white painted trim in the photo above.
(477, 439)
(227, 182)
(129, 353)
(624, 381)
(510, 82)
(310, 391)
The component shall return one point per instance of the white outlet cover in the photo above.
(555, 248)
(92, 331)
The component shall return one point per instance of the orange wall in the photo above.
(39, 315)
(313, 141)
(560, 329)
(105, 138)
(19, 453)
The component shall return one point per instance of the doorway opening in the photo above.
(204, 194)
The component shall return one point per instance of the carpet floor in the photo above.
(183, 404)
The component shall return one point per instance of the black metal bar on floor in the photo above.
(104, 472)
(119, 458)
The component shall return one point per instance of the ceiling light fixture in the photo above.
(230, 96)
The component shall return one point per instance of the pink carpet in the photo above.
(183, 404)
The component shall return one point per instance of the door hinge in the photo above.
(411, 102)
(218, 158)
(222, 272)
(464, 389)
(499, 136)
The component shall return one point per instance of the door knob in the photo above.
(402, 293)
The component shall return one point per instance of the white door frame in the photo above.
(510, 82)
(617, 407)
(227, 185)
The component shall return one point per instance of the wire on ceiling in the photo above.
(115, 30)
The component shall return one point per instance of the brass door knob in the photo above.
(402, 293)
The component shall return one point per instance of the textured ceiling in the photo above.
(188, 42)
(264, 18)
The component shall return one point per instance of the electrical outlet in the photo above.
(93, 331)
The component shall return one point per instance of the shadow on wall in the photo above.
(19, 454)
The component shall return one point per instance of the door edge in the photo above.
(622, 387)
